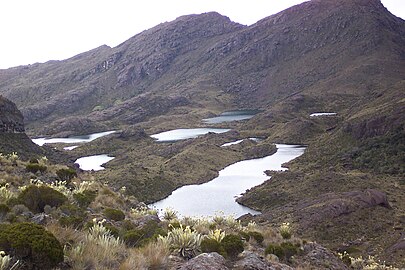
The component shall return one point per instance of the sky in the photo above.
(42, 30)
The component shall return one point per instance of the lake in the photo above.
(219, 194)
(231, 116)
(322, 114)
(187, 133)
(93, 162)
(73, 139)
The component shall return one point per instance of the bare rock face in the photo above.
(11, 119)
(318, 257)
(206, 261)
(252, 261)
(332, 205)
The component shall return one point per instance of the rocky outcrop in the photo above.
(11, 119)
(318, 257)
(252, 261)
(332, 205)
(206, 261)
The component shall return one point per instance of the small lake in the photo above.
(93, 162)
(322, 114)
(220, 193)
(187, 133)
(73, 139)
(231, 116)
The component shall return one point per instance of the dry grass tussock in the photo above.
(152, 256)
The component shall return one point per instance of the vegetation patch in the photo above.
(31, 244)
(37, 197)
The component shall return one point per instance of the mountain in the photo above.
(13, 138)
(341, 56)
(328, 53)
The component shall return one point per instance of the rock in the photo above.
(40, 218)
(143, 221)
(332, 205)
(252, 261)
(318, 257)
(206, 261)
(11, 119)
(400, 245)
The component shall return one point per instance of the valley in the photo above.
(176, 107)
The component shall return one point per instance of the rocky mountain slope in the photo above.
(12, 136)
(330, 54)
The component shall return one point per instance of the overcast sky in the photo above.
(42, 30)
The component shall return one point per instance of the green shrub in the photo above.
(114, 214)
(286, 230)
(74, 222)
(284, 251)
(36, 197)
(4, 209)
(31, 244)
(139, 237)
(85, 198)
(210, 245)
(233, 245)
(245, 236)
(257, 236)
(114, 231)
(133, 238)
(35, 167)
(73, 216)
(66, 174)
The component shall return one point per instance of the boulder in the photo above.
(206, 261)
(252, 261)
(316, 256)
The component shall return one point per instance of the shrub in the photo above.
(133, 238)
(35, 167)
(140, 237)
(36, 197)
(31, 244)
(169, 214)
(285, 230)
(66, 174)
(4, 209)
(183, 241)
(209, 245)
(75, 222)
(284, 251)
(257, 236)
(233, 245)
(114, 214)
(245, 236)
(85, 198)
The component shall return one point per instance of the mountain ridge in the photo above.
(160, 60)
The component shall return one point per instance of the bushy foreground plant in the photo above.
(35, 167)
(183, 241)
(233, 245)
(31, 244)
(114, 214)
(283, 251)
(66, 174)
(285, 230)
(37, 197)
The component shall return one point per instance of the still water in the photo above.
(93, 162)
(187, 133)
(220, 193)
(231, 116)
(73, 139)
